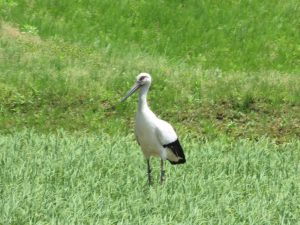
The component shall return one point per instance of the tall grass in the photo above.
(87, 179)
(243, 35)
(221, 70)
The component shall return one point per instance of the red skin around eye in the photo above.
(142, 78)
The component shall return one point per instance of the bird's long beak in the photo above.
(132, 90)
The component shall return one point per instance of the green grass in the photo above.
(223, 69)
(225, 74)
(48, 85)
(87, 179)
(244, 35)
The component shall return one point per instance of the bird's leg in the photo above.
(162, 171)
(149, 171)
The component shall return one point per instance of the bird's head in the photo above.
(142, 79)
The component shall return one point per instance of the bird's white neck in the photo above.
(143, 97)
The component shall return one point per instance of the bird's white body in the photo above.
(155, 136)
(152, 133)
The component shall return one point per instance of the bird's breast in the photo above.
(145, 132)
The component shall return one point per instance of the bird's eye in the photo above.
(142, 78)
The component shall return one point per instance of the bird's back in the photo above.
(169, 140)
(157, 137)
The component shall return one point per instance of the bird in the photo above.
(155, 136)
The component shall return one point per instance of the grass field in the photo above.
(226, 74)
(66, 179)
(243, 35)
(52, 84)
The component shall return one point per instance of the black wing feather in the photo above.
(176, 148)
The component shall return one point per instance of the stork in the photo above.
(156, 137)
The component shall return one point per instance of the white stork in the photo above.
(155, 136)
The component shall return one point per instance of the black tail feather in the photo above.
(176, 148)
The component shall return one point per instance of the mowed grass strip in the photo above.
(100, 179)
